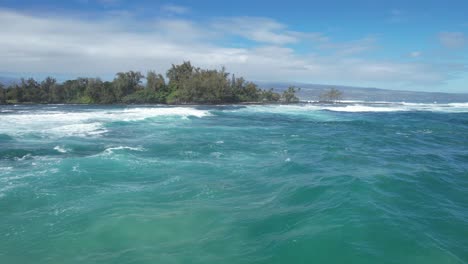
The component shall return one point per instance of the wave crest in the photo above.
(87, 123)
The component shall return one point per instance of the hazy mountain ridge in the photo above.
(313, 91)
(8, 80)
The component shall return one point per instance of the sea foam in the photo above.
(123, 147)
(60, 149)
(396, 107)
(83, 123)
(356, 106)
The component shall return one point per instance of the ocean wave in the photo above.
(304, 110)
(84, 123)
(79, 130)
(398, 107)
(6, 168)
(314, 108)
(459, 104)
(24, 157)
(112, 150)
(125, 147)
(362, 108)
(136, 114)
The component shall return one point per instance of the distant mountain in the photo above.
(8, 80)
(313, 91)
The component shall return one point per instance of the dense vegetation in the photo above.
(186, 84)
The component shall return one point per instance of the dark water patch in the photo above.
(22, 154)
(5, 138)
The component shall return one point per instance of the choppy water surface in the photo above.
(354, 183)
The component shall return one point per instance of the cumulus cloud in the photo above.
(69, 45)
(453, 40)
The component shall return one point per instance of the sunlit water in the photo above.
(384, 183)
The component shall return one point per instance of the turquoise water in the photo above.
(359, 183)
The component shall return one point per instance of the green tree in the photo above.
(126, 83)
(94, 90)
(57, 94)
(15, 94)
(156, 90)
(155, 82)
(2, 94)
(205, 86)
(178, 74)
(251, 92)
(74, 90)
(332, 95)
(289, 95)
(270, 96)
(31, 91)
(108, 93)
(46, 88)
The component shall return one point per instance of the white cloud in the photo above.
(453, 40)
(257, 29)
(350, 47)
(415, 54)
(102, 2)
(68, 45)
(175, 9)
(109, 2)
(397, 16)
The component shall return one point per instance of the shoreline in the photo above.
(308, 102)
(201, 104)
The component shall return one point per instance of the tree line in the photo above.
(185, 84)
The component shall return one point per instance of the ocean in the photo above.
(310, 183)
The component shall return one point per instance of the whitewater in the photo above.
(352, 182)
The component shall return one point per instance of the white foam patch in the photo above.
(314, 109)
(5, 170)
(125, 147)
(363, 108)
(307, 111)
(60, 149)
(25, 157)
(459, 104)
(84, 123)
(112, 149)
(136, 114)
(78, 130)
(278, 108)
(397, 107)
(216, 155)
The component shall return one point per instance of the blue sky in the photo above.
(409, 45)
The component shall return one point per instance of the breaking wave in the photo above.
(355, 106)
(83, 123)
